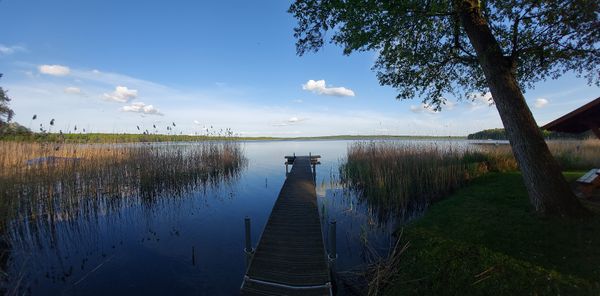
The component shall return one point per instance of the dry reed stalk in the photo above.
(381, 270)
(570, 154)
(400, 179)
(75, 178)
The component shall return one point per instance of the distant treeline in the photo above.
(16, 132)
(107, 138)
(500, 134)
(132, 138)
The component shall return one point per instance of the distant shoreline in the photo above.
(131, 138)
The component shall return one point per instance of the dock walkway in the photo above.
(290, 258)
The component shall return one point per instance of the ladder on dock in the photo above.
(290, 258)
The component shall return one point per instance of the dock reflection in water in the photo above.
(177, 241)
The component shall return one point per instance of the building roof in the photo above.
(579, 120)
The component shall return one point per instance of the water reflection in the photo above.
(71, 219)
(358, 226)
(178, 238)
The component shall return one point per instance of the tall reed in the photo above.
(570, 154)
(402, 179)
(56, 181)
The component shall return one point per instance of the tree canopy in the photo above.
(423, 51)
(6, 114)
(435, 48)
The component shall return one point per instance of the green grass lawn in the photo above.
(485, 240)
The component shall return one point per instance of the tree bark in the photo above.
(548, 190)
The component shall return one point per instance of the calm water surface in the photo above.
(189, 244)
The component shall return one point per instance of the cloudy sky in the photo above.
(111, 66)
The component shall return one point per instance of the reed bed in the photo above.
(570, 154)
(576, 155)
(402, 179)
(60, 181)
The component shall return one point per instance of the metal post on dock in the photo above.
(248, 249)
(332, 244)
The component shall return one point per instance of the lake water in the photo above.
(189, 244)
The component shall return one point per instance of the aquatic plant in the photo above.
(60, 180)
(402, 179)
(570, 154)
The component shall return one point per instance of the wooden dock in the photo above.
(290, 258)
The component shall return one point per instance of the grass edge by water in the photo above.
(485, 237)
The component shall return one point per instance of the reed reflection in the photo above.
(59, 202)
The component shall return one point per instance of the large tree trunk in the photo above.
(547, 188)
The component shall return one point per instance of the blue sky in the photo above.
(110, 66)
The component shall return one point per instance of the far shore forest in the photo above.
(17, 132)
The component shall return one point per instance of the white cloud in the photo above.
(122, 94)
(291, 121)
(246, 115)
(55, 70)
(479, 100)
(449, 105)
(422, 108)
(73, 90)
(485, 98)
(108, 78)
(140, 107)
(541, 102)
(320, 87)
(6, 50)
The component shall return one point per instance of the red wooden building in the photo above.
(586, 117)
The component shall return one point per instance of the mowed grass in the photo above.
(485, 239)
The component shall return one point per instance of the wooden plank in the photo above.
(290, 258)
(312, 156)
(589, 177)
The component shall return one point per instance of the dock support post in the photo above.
(248, 249)
(332, 244)
(248, 235)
